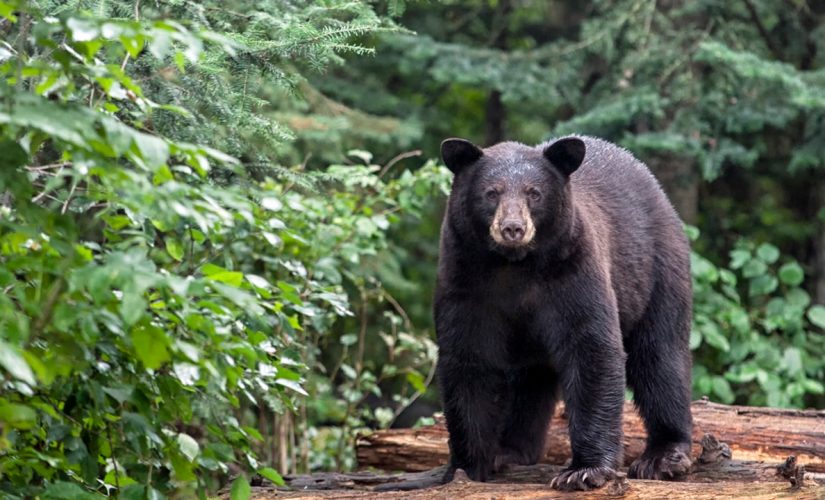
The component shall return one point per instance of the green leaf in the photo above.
(150, 346)
(12, 155)
(272, 475)
(291, 384)
(754, 268)
(240, 489)
(175, 248)
(132, 306)
(64, 490)
(816, 314)
(120, 394)
(272, 204)
(768, 253)
(738, 258)
(217, 273)
(258, 281)
(11, 358)
(813, 386)
(793, 361)
(349, 339)
(791, 274)
(713, 336)
(416, 380)
(153, 150)
(17, 416)
(695, 339)
(722, 389)
(7, 11)
(82, 30)
(762, 285)
(188, 446)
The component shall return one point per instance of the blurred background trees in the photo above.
(219, 220)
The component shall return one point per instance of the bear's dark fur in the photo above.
(563, 267)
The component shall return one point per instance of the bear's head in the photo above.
(510, 197)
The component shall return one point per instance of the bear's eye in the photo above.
(534, 194)
(491, 194)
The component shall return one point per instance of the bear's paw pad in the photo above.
(666, 463)
(584, 478)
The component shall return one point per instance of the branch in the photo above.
(762, 31)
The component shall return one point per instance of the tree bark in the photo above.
(680, 181)
(531, 483)
(495, 114)
(819, 246)
(495, 117)
(757, 434)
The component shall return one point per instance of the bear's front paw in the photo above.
(585, 478)
(667, 462)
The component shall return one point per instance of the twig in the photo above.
(400, 310)
(45, 193)
(50, 166)
(69, 198)
(137, 18)
(761, 28)
(112, 451)
(416, 395)
(664, 79)
(396, 159)
(649, 22)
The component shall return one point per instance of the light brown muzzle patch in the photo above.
(506, 211)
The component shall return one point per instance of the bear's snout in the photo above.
(512, 224)
(512, 231)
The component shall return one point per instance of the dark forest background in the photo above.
(219, 220)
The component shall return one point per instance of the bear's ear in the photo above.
(458, 153)
(566, 154)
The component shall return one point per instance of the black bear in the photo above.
(562, 268)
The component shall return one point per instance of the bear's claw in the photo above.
(668, 463)
(585, 478)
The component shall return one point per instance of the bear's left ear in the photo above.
(458, 153)
(566, 154)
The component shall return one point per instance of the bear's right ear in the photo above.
(458, 153)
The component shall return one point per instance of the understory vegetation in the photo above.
(219, 220)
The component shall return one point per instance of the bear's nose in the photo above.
(512, 231)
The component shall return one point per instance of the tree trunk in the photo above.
(759, 434)
(819, 246)
(495, 116)
(679, 179)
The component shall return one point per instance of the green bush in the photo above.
(756, 338)
(155, 292)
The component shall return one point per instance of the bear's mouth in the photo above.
(512, 252)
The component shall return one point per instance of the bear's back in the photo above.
(634, 224)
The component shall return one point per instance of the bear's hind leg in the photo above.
(658, 371)
(533, 397)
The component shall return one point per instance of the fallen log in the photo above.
(713, 475)
(524, 485)
(753, 434)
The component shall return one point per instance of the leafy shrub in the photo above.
(756, 337)
(154, 292)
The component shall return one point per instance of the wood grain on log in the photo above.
(626, 489)
(733, 471)
(754, 434)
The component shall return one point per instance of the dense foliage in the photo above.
(217, 250)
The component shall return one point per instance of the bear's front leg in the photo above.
(591, 366)
(473, 401)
